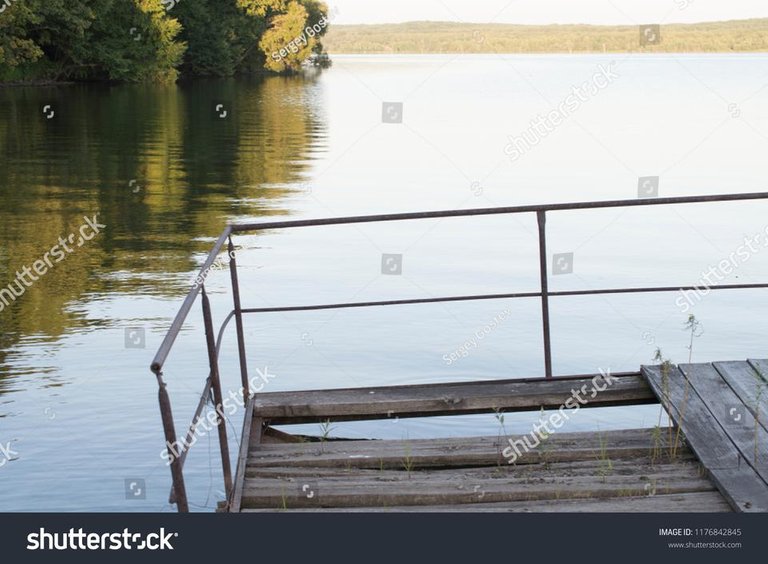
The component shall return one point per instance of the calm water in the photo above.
(165, 168)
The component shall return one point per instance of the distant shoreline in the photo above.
(421, 38)
(553, 53)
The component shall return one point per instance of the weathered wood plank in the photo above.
(274, 436)
(761, 367)
(458, 451)
(749, 437)
(596, 467)
(737, 481)
(694, 502)
(750, 388)
(442, 399)
(247, 441)
(442, 488)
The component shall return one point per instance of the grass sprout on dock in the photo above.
(499, 415)
(606, 464)
(543, 447)
(408, 460)
(695, 328)
(666, 403)
(657, 447)
(325, 433)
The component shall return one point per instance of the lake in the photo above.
(165, 168)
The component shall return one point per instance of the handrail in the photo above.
(243, 227)
(479, 297)
(170, 337)
(213, 384)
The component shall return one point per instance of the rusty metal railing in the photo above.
(212, 389)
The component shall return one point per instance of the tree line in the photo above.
(157, 40)
(451, 37)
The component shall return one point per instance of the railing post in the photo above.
(239, 322)
(541, 216)
(218, 400)
(179, 490)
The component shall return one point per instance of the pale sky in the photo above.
(627, 12)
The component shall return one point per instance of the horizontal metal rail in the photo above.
(349, 305)
(178, 322)
(245, 227)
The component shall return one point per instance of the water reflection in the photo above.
(161, 166)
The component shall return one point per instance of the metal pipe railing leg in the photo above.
(239, 322)
(179, 490)
(542, 220)
(218, 399)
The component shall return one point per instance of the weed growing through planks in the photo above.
(656, 448)
(499, 415)
(325, 433)
(694, 327)
(543, 447)
(678, 433)
(408, 460)
(606, 464)
(666, 404)
(675, 436)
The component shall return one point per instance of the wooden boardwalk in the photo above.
(710, 466)
(721, 409)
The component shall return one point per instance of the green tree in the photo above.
(89, 39)
(140, 40)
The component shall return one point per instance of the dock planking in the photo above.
(715, 464)
(464, 398)
(719, 428)
(695, 502)
(749, 385)
(582, 470)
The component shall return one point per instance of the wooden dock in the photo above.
(716, 462)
